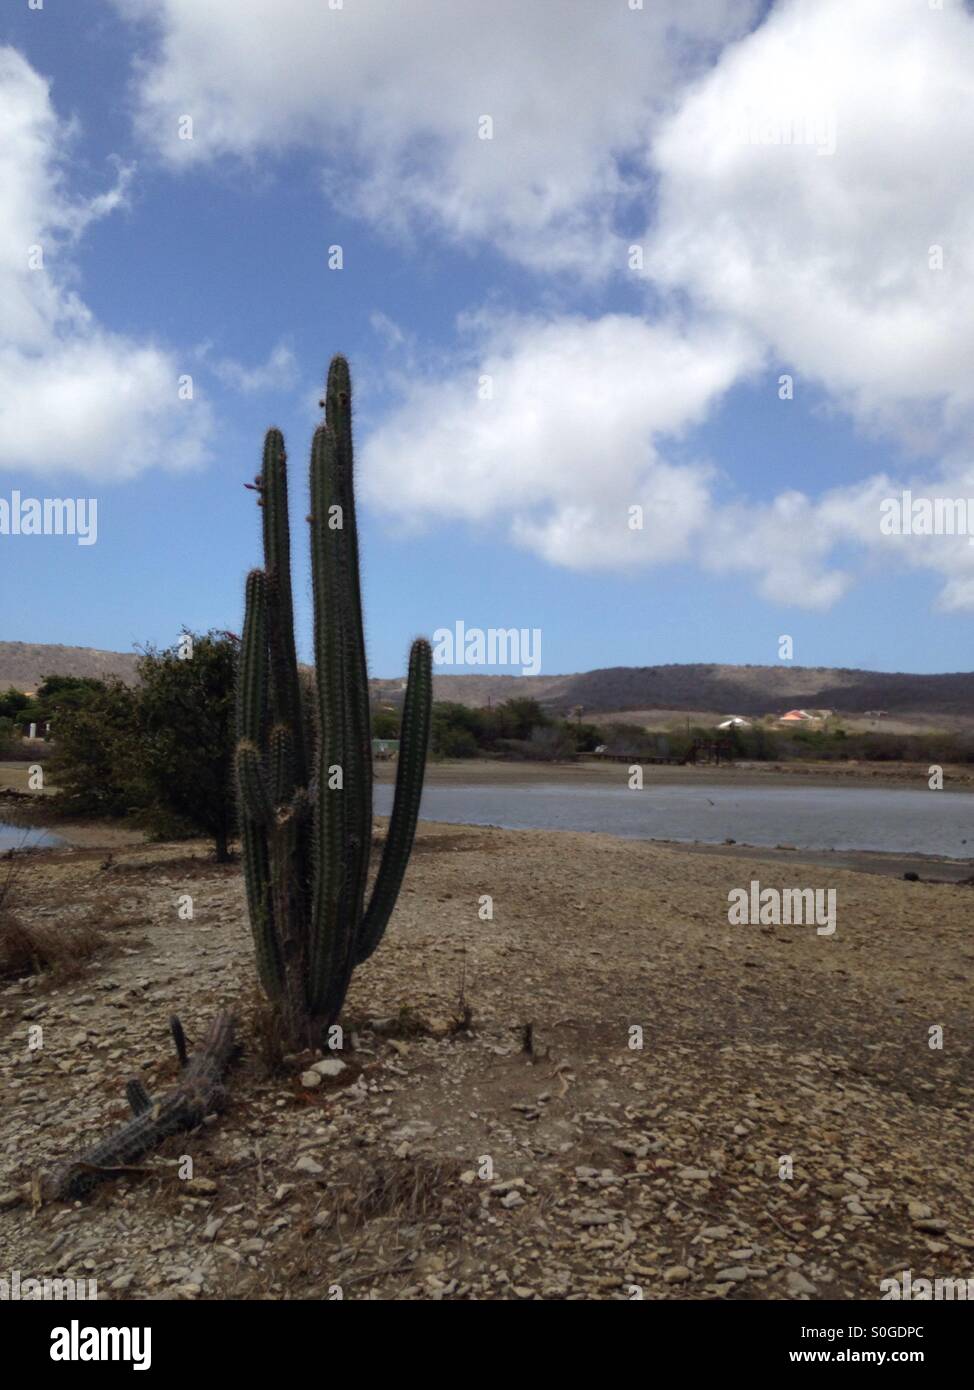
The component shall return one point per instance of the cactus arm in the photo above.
(255, 795)
(358, 731)
(338, 401)
(282, 764)
(257, 876)
(138, 1097)
(252, 676)
(330, 825)
(251, 718)
(413, 743)
(285, 687)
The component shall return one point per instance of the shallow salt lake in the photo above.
(24, 837)
(895, 820)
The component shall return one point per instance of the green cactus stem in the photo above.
(304, 761)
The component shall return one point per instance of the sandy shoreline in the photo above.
(487, 772)
(495, 773)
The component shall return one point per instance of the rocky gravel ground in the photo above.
(602, 1090)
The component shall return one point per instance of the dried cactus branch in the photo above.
(179, 1038)
(138, 1097)
(199, 1092)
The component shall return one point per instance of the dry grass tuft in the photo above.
(56, 951)
(404, 1189)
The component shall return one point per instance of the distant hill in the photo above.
(761, 689)
(751, 690)
(693, 687)
(25, 664)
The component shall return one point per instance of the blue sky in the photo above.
(509, 258)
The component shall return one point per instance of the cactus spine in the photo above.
(304, 775)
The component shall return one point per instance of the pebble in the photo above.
(331, 1066)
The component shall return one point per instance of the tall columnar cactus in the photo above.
(304, 757)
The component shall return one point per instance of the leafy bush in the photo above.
(12, 702)
(385, 723)
(186, 718)
(95, 760)
(162, 750)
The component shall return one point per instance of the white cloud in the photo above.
(826, 255)
(573, 434)
(802, 181)
(390, 95)
(390, 333)
(73, 396)
(278, 371)
(586, 420)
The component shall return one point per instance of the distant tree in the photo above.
(516, 718)
(458, 731)
(551, 742)
(621, 737)
(187, 734)
(61, 687)
(385, 723)
(56, 697)
(458, 743)
(587, 737)
(450, 734)
(94, 764)
(12, 702)
(162, 750)
(59, 693)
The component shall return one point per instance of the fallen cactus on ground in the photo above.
(304, 760)
(199, 1092)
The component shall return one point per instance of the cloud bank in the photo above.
(74, 397)
(804, 176)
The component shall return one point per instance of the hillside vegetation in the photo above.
(744, 690)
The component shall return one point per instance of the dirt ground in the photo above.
(785, 1129)
(588, 772)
